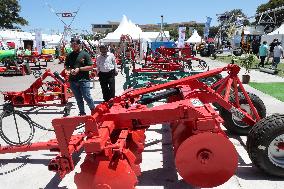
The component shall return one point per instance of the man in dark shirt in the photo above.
(78, 64)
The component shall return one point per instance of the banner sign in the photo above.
(181, 38)
(38, 39)
(67, 14)
(207, 26)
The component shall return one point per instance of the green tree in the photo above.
(230, 17)
(279, 14)
(213, 31)
(228, 22)
(173, 33)
(9, 14)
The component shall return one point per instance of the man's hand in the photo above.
(75, 71)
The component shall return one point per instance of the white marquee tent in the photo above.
(194, 38)
(126, 27)
(18, 37)
(276, 34)
(152, 36)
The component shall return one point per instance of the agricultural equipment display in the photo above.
(36, 59)
(167, 65)
(10, 65)
(50, 89)
(41, 92)
(114, 136)
(172, 59)
(127, 49)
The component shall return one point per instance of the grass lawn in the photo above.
(273, 89)
(228, 59)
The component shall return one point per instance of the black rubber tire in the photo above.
(259, 139)
(204, 53)
(202, 64)
(238, 52)
(27, 140)
(227, 116)
(212, 79)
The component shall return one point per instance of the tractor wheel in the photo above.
(265, 145)
(202, 64)
(238, 52)
(203, 53)
(234, 124)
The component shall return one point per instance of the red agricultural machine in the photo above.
(11, 66)
(36, 59)
(114, 136)
(126, 50)
(172, 59)
(41, 92)
(50, 89)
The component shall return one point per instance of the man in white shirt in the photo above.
(107, 70)
(278, 53)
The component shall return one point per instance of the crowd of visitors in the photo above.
(274, 51)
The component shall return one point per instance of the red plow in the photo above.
(114, 136)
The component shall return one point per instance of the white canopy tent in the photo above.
(194, 38)
(18, 37)
(126, 27)
(276, 34)
(279, 30)
(152, 36)
(51, 40)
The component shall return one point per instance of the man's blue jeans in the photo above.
(276, 61)
(81, 90)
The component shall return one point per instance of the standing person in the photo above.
(107, 70)
(194, 49)
(263, 52)
(78, 64)
(272, 45)
(278, 53)
(255, 46)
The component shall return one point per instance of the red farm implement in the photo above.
(36, 59)
(114, 136)
(41, 92)
(50, 89)
(171, 59)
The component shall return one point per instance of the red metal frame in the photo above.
(115, 132)
(56, 90)
(169, 59)
(13, 70)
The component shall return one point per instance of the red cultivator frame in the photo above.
(172, 59)
(114, 136)
(54, 90)
(35, 59)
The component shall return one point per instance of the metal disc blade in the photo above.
(98, 173)
(206, 160)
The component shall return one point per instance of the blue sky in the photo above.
(40, 16)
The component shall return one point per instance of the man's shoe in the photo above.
(82, 114)
(93, 111)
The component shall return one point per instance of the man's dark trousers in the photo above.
(262, 59)
(107, 81)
